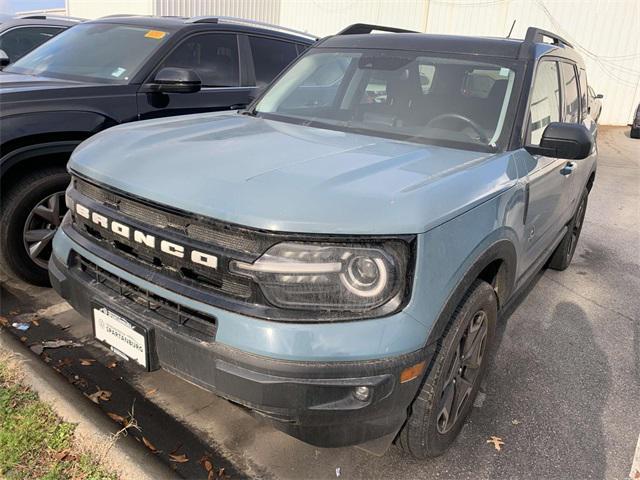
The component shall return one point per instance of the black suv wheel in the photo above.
(563, 254)
(446, 397)
(32, 209)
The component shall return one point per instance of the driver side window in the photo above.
(545, 101)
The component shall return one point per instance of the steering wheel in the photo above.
(455, 116)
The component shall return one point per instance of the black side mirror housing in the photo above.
(4, 59)
(176, 80)
(564, 140)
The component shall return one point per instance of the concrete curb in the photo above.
(127, 457)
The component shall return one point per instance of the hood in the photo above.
(291, 178)
(16, 82)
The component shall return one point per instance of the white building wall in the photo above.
(605, 32)
(263, 10)
(102, 8)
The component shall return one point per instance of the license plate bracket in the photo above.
(124, 337)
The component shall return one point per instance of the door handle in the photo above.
(238, 106)
(568, 168)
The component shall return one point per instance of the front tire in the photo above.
(563, 253)
(448, 392)
(32, 209)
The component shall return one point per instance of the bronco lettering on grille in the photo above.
(143, 238)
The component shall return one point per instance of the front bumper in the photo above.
(310, 400)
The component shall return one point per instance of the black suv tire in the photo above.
(563, 253)
(18, 207)
(428, 431)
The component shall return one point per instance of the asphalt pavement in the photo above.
(563, 390)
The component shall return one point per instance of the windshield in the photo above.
(458, 101)
(97, 52)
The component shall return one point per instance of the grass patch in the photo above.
(34, 441)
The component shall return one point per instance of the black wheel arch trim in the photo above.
(502, 250)
(14, 157)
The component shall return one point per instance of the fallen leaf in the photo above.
(23, 339)
(87, 362)
(515, 422)
(14, 312)
(497, 442)
(35, 322)
(112, 364)
(150, 445)
(178, 458)
(151, 391)
(117, 418)
(37, 349)
(103, 395)
(62, 455)
(206, 463)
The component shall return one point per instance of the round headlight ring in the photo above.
(359, 287)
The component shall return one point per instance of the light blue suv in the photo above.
(336, 257)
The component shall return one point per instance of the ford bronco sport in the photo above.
(336, 257)
(101, 73)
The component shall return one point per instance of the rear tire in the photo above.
(563, 254)
(635, 132)
(32, 208)
(449, 390)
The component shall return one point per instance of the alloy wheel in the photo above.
(40, 227)
(462, 372)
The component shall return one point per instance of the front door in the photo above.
(215, 58)
(548, 191)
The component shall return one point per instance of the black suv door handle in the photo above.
(238, 106)
(568, 168)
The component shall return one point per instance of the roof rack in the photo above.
(244, 21)
(360, 28)
(537, 35)
(43, 16)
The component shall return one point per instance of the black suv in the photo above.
(107, 72)
(20, 35)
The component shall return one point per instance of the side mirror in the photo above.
(599, 96)
(176, 80)
(564, 140)
(4, 59)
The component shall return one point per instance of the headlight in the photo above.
(329, 277)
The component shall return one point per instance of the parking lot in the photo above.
(563, 390)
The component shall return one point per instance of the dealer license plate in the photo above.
(125, 338)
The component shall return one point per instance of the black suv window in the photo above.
(270, 57)
(214, 56)
(571, 100)
(545, 100)
(18, 41)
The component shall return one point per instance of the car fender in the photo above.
(42, 134)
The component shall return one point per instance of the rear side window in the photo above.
(584, 91)
(571, 99)
(270, 57)
(20, 41)
(545, 100)
(214, 56)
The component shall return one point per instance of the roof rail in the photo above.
(537, 35)
(359, 28)
(244, 21)
(50, 17)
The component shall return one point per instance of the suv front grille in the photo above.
(221, 235)
(200, 325)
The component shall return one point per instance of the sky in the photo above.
(12, 6)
